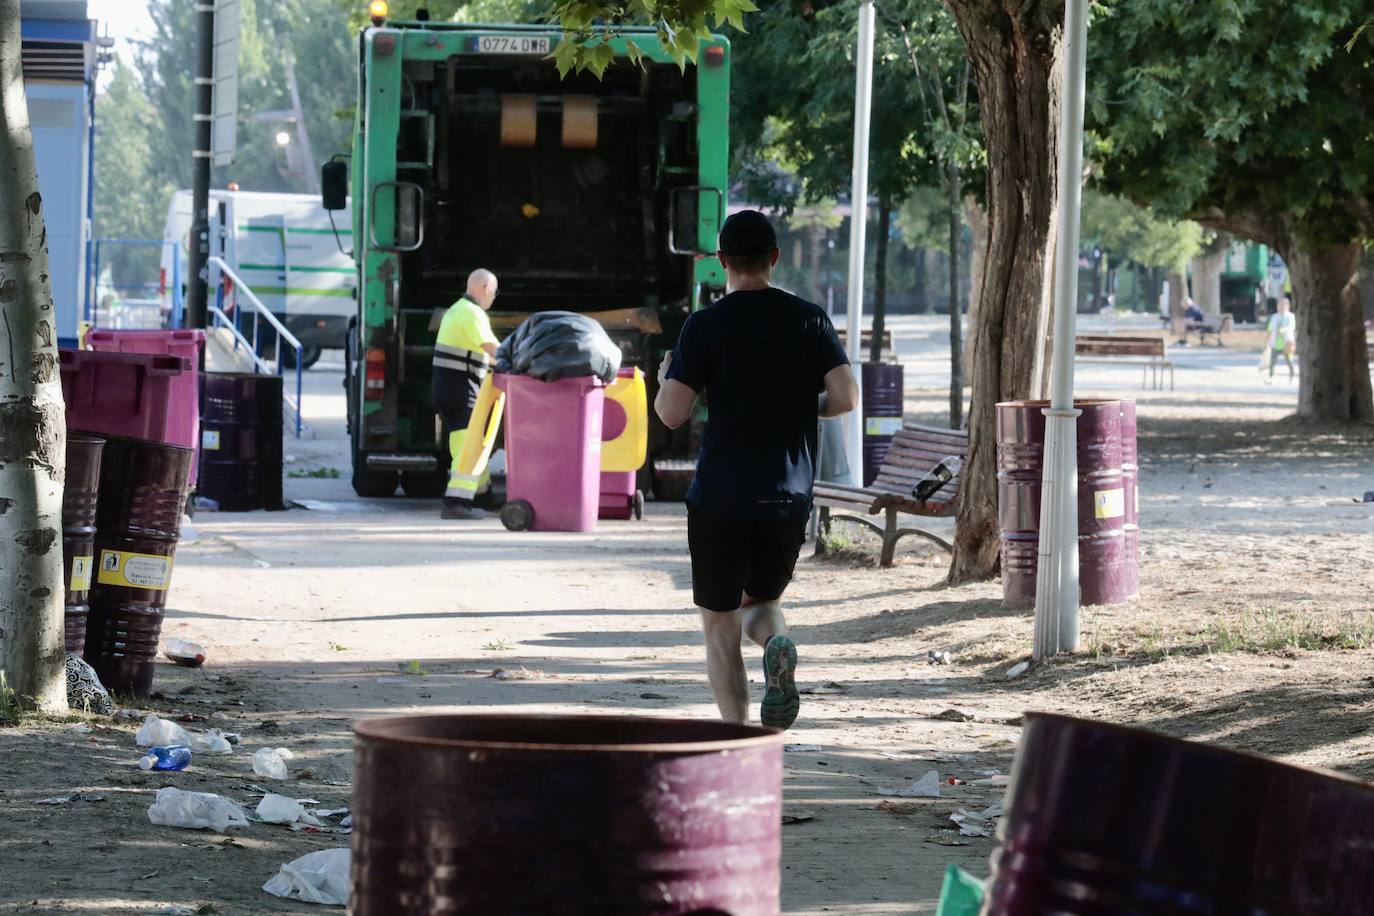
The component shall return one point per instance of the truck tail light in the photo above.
(374, 376)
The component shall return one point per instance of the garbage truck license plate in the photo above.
(512, 44)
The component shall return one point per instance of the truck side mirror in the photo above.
(334, 184)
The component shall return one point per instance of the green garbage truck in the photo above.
(600, 196)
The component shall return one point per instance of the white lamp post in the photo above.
(858, 226)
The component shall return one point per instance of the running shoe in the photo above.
(780, 699)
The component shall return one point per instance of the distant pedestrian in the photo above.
(768, 364)
(1282, 340)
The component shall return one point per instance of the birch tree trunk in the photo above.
(32, 423)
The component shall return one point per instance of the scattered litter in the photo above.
(206, 504)
(1018, 669)
(524, 674)
(896, 807)
(346, 822)
(213, 742)
(332, 812)
(185, 653)
(84, 690)
(797, 817)
(996, 780)
(928, 786)
(1214, 666)
(827, 688)
(166, 759)
(945, 838)
(953, 715)
(278, 809)
(195, 811)
(801, 748)
(655, 696)
(386, 681)
(129, 714)
(151, 874)
(939, 658)
(161, 733)
(317, 877)
(175, 909)
(271, 762)
(55, 800)
(82, 729)
(894, 754)
(976, 824)
(955, 781)
(261, 564)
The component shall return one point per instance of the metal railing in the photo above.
(145, 311)
(259, 313)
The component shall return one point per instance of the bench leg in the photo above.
(822, 531)
(890, 537)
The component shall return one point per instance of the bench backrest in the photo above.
(1096, 345)
(914, 451)
(866, 338)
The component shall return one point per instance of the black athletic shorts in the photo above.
(733, 557)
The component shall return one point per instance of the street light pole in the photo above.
(1056, 591)
(858, 230)
(197, 292)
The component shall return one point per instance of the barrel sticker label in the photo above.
(81, 573)
(134, 570)
(1110, 503)
(882, 426)
(209, 440)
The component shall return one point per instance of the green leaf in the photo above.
(565, 56)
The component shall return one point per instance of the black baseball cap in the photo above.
(747, 234)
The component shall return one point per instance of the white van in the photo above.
(285, 249)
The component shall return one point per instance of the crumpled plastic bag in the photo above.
(278, 809)
(317, 877)
(195, 811)
(84, 690)
(212, 742)
(271, 762)
(161, 733)
(556, 345)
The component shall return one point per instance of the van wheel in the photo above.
(309, 356)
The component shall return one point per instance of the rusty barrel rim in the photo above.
(400, 730)
(1198, 748)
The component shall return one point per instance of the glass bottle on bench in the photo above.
(937, 477)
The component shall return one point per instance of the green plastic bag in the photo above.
(962, 894)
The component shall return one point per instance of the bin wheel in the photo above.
(517, 515)
(639, 505)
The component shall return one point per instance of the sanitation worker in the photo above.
(465, 346)
(768, 364)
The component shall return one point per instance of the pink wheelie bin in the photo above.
(553, 452)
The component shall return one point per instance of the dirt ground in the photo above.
(1253, 629)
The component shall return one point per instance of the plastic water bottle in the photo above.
(940, 475)
(184, 652)
(176, 757)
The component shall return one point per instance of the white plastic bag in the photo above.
(278, 809)
(317, 877)
(271, 762)
(161, 733)
(195, 811)
(212, 742)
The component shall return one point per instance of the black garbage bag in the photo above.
(555, 345)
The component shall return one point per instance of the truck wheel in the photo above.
(424, 484)
(517, 515)
(309, 357)
(373, 484)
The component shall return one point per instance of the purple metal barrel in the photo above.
(78, 533)
(1101, 502)
(882, 413)
(1103, 820)
(240, 440)
(138, 520)
(1130, 486)
(564, 815)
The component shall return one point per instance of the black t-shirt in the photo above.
(760, 358)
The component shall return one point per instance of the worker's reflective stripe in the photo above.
(460, 366)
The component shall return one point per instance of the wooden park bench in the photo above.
(866, 341)
(914, 452)
(1147, 352)
(1212, 326)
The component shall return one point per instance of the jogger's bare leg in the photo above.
(763, 620)
(725, 663)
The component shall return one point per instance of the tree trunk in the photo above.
(977, 219)
(1178, 294)
(875, 353)
(1016, 51)
(1333, 383)
(956, 329)
(922, 278)
(1207, 280)
(32, 423)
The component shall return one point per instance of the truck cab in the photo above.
(601, 196)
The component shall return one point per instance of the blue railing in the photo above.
(259, 313)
